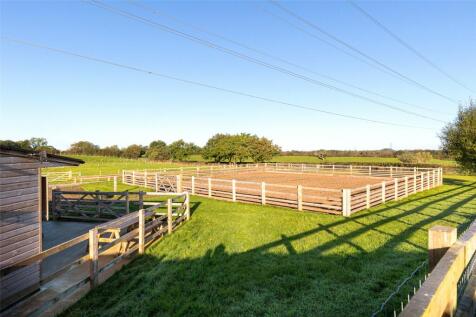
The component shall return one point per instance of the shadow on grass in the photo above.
(347, 274)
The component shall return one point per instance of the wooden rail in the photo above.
(136, 231)
(438, 295)
(92, 206)
(200, 181)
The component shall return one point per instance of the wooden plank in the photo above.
(18, 192)
(17, 179)
(12, 200)
(93, 258)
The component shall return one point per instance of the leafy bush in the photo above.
(415, 158)
(459, 137)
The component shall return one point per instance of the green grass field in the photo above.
(104, 165)
(101, 165)
(234, 259)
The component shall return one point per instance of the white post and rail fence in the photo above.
(405, 181)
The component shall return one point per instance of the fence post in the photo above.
(441, 175)
(367, 196)
(263, 193)
(123, 176)
(141, 231)
(179, 183)
(396, 188)
(145, 178)
(169, 215)
(133, 177)
(115, 184)
(391, 171)
(299, 197)
(141, 199)
(440, 239)
(333, 169)
(434, 178)
(383, 192)
(193, 185)
(187, 205)
(127, 202)
(350, 168)
(233, 189)
(70, 174)
(157, 182)
(209, 187)
(406, 186)
(422, 185)
(93, 257)
(370, 170)
(428, 180)
(346, 202)
(414, 183)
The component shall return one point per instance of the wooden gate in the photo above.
(91, 206)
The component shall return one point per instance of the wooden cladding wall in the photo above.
(20, 225)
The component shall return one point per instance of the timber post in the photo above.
(169, 215)
(141, 231)
(93, 257)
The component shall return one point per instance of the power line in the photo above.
(349, 46)
(248, 58)
(263, 53)
(202, 84)
(408, 46)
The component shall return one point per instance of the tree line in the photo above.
(219, 148)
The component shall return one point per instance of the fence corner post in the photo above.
(233, 190)
(93, 257)
(263, 193)
(209, 187)
(169, 215)
(115, 184)
(367, 196)
(440, 239)
(141, 231)
(299, 197)
(346, 208)
(179, 183)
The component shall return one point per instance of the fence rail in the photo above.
(112, 241)
(207, 182)
(440, 293)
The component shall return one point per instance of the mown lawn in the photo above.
(106, 165)
(103, 165)
(247, 260)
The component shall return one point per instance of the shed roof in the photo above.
(47, 159)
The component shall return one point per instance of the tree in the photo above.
(158, 150)
(112, 150)
(459, 137)
(83, 147)
(238, 148)
(263, 149)
(132, 151)
(180, 150)
(36, 143)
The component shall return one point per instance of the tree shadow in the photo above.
(339, 267)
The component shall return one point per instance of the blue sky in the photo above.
(67, 99)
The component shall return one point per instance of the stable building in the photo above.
(22, 195)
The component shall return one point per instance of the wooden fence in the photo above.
(438, 294)
(405, 181)
(334, 169)
(92, 206)
(56, 177)
(113, 241)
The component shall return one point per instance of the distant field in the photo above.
(336, 159)
(103, 165)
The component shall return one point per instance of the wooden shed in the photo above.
(20, 218)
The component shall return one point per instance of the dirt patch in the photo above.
(304, 179)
